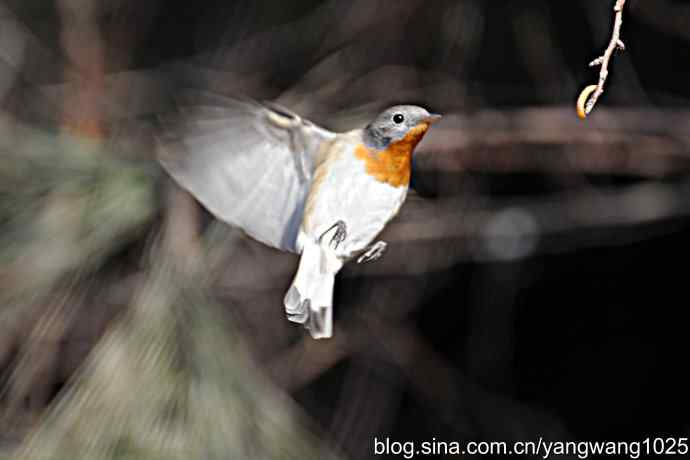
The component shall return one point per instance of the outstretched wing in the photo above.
(249, 164)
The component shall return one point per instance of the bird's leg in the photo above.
(339, 235)
(373, 252)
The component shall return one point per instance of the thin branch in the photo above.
(616, 43)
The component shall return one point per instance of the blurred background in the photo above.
(534, 283)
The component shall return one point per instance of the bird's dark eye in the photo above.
(398, 118)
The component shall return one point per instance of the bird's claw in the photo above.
(339, 235)
(373, 253)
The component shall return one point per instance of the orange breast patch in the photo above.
(394, 164)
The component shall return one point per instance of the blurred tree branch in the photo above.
(643, 142)
(81, 40)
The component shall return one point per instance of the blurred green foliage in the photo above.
(65, 205)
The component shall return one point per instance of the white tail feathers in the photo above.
(309, 300)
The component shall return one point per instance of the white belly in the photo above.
(347, 193)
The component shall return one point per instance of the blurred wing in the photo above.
(248, 164)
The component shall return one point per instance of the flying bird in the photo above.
(296, 186)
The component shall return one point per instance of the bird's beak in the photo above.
(432, 118)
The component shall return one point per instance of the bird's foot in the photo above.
(374, 252)
(339, 235)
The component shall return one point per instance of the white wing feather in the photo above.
(248, 164)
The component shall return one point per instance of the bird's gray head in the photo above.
(394, 123)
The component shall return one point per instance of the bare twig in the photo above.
(585, 104)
